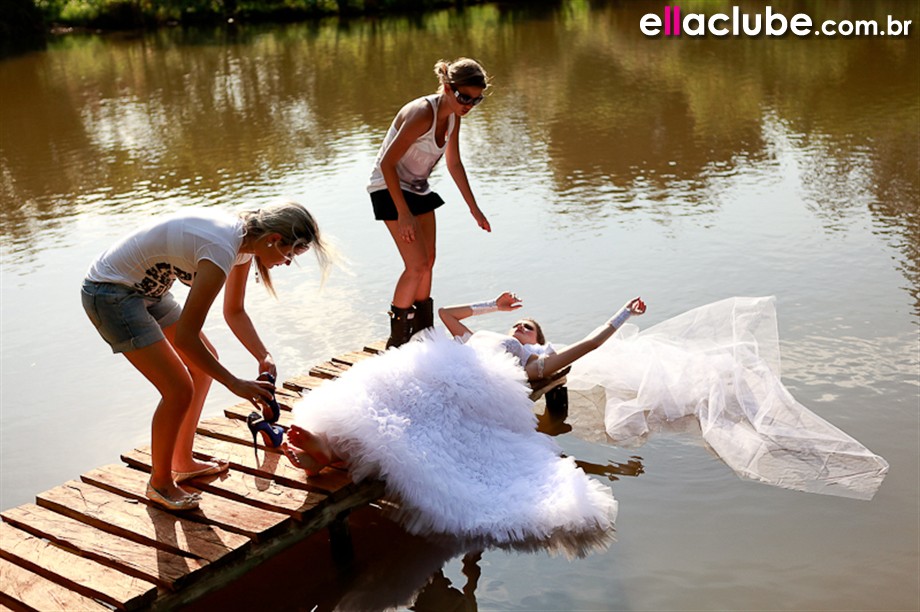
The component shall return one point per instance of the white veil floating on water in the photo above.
(720, 363)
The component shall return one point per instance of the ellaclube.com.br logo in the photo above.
(767, 22)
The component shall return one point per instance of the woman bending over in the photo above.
(127, 296)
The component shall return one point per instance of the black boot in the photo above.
(400, 325)
(424, 315)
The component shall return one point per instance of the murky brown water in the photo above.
(609, 165)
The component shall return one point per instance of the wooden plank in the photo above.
(328, 512)
(129, 519)
(8, 604)
(286, 396)
(60, 567)
(240, 412)
(272, 464)
(286, 400)
(376, 347)
(303, 383)
(327, 369)
(167, 570)
(254, 523)
(232, 428)
(351, 358)
(35, 592)
(229, 428)
(246, 488)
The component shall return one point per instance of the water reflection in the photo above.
(693, 169)
(440, 594)
(617, 120)
(394, 569)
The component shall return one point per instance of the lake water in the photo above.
(609, 164)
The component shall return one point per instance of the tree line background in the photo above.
(25, 24)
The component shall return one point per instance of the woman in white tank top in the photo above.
(423, 131)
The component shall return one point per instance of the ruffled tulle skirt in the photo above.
(720, 364)
(451, 431)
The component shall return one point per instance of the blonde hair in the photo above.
(460, 72)
(297, 227)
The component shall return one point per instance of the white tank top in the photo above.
(416, 165)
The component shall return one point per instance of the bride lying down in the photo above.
(448, 425)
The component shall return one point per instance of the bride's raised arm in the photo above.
(545, 365)
(452, 315)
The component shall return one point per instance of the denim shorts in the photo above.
(126, 318)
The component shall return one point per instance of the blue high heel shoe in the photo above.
(274, 408)
(272, 435)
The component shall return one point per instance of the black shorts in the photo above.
(385, 209)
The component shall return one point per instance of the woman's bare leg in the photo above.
(161, 365)
(418, 260)
(182, 460)
(428, 234)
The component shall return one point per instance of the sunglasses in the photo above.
(293, 252)
(525, 325)
(289, 256)
(464, 99)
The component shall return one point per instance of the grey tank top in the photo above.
(416, 165)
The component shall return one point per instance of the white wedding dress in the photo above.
(451, 430)
(720, 364)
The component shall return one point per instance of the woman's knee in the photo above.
(180, 392)
(419, 268)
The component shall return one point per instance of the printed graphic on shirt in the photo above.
(160, 278)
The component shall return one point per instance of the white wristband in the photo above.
(484, 307)
(617, 320)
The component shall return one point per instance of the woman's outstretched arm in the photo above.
(452, 315)
(545, 365)
(238, 319)
(458, 173)
(209, 280)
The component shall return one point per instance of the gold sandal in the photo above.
(188, 502)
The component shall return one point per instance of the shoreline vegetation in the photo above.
(26, 25)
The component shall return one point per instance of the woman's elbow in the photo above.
(388, 164)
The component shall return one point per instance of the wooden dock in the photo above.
(97, 543)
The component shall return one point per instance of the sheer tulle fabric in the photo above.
(451, 430)
(720, 363)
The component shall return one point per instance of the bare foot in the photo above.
(300, 459)
(306, 450)
(194, 466)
